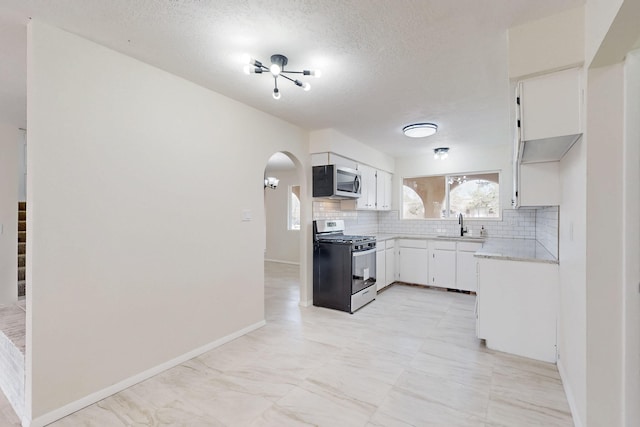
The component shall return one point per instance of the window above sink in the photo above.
(474, 195)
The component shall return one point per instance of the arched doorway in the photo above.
(285, 228)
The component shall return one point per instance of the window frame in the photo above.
(290, 194)
(448, 198)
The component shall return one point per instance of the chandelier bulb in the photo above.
(314, 73)
(278, 63)
(275, 69)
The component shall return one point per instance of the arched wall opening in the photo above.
(287, 212)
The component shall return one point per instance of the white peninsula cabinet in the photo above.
(466, 270)
(413, 261)
(517, 307)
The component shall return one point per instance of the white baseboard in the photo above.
(72, 407)
(307, 303)
(577, 422)
(282, 261)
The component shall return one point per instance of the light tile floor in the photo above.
(408, 359)
(12, 323)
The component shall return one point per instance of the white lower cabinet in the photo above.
(381, 266)
(412, 256)
(442, 264)
(390, 261)
(385, 263)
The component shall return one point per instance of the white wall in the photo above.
(471, 159)
(137, 253)
(605, 126)
(282, 244)
(572, 317)
(330, 140)
(547, 44)
(22, 167)
(631, 212)
(10, 138)
(599, 14)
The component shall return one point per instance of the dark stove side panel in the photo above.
(332, 276)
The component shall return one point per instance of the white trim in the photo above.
(115, 388)
(570, 397)
(307, 303)
(282, 261)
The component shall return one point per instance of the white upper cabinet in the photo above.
(376, 185)
(376, 189)
(383, 191)
(539, 184)
(367, 199)
(321, 159)
(550, 115)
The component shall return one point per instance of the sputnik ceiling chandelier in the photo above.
(276, 69)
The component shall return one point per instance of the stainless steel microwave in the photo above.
(336, 182)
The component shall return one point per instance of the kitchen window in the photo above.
(475, 195)
(294, 207)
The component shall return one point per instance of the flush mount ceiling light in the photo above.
(441, 153)
(276, 69)
(420, 130)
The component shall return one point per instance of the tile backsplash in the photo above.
(540, 224)
(547, 220)
(515, 224)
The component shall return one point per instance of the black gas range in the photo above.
(344, 267)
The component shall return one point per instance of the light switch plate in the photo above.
(246, 215)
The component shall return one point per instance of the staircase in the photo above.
(22, 247)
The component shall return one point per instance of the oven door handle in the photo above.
(363, 253)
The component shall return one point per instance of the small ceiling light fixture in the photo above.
(420, 130)
(277, 70)
(271, 182)
(459, 180)
(441, 153)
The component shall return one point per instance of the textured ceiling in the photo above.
(385, 63)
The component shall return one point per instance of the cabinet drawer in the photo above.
(412, 243)
(381, 246)
(469, 246)
(443, 245)
(390, 244)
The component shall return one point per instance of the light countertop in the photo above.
(495, 248)
(383, 237)
(516, 250)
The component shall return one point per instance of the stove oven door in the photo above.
(363, 270)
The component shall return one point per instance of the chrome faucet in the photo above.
(461, 222)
